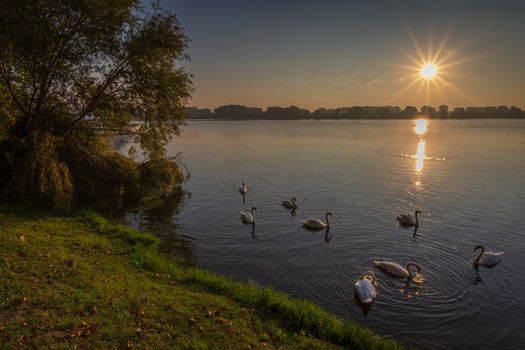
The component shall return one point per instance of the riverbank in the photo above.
(79, 281)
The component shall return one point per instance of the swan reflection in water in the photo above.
(365, 308)
(411, 289)
(477, 278)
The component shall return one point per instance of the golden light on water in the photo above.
(420, 155)
(421, 126)
(418, 278)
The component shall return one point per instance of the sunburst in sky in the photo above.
(432, 71)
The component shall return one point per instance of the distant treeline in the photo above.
(236, 112)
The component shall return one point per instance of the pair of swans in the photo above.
(484, 258)
(249, 218)
(365, 287)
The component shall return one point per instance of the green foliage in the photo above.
(106, 300)
(125, 233)
(40, 177)
(157, 177)
(82, 72)
(295, 315)
(98, 171)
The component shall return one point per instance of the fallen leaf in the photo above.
(70, 262)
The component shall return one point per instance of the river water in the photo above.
(467, 178)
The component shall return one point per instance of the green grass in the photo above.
(121, 293)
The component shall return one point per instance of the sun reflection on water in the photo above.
(421, 126)
(420, 155)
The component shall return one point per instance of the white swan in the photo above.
(316, 223)
(243, 189)
(487, 258)
(408, 219)
(248, 218)
(290, 204)
(365, 287)
(395, 269)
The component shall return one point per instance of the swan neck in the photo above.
(327, 221)
(409, 270)
(482, 250)
(253, 214)
(417, 220)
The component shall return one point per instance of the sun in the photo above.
(429, 71)
(432, 71)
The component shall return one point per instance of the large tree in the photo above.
(73, 73)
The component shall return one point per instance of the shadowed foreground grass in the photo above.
(80, 281)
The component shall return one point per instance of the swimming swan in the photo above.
(290, 204)
(487, 258)
(243, 189)
(408, 219)
(248, 218)
(316, 223)
(395, 269)
(365, 287)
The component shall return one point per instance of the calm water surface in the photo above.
(467, 177)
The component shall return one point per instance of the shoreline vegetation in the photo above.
(78, 281)
(239, 112)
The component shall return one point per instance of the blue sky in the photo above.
(341, 53)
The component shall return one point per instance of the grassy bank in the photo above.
(81, 281)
